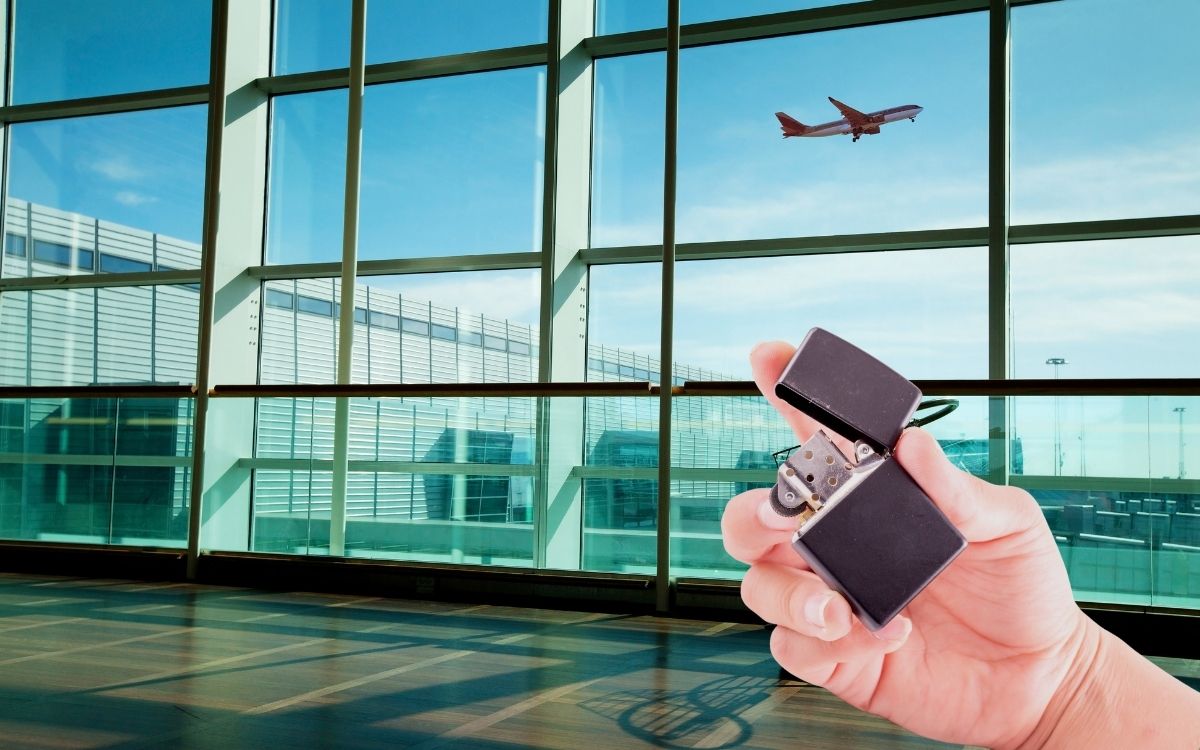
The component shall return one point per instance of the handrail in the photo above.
(983, 387)
(97, 391)
(435, 390)
(702, 388)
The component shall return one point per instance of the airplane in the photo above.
(853, 122)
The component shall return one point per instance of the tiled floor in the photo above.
(90, 663)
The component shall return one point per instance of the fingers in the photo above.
(817, 661)
(767, 361)
(751, 530)
(797, 600)
(981, 511)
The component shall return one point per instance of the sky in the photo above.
(1103, 119)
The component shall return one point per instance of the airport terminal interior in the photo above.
(374, 373)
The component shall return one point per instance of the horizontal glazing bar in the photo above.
(1023, 387)
(409, 70)
(843, 16)
(434, 390)
(1148, 485)
(1076, 231)
(87, 281)
(69, 459)
(174, 97)
(392, 467)
(438, 264)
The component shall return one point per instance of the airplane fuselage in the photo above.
(882, 117)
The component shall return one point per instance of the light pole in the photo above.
(1179, 410)
(1057, 362)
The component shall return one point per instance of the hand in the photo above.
(977, 658)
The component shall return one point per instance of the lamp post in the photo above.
(1179, 410)
(1057, 362)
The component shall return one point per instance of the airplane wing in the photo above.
(853, 116)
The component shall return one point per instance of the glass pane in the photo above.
(70, 49)
(738, 179)
(411, 29)
(101, 471)
(1110, 309)
(1116, 478)
(617, 16)
(440, 180)
(624, 315)
(480, 513)
(128, 334)
(924, 312)
(472, 327)
(627, 151)
(1093, 134)
(620, 487)
(311, 35)
(308, 177)
(129, 186)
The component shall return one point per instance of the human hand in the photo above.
(979, 657)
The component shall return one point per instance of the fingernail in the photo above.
(896, 630)
(814, 608)
(772, 520)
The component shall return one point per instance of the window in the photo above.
(627, 150)
(624, 313)
(281, 300)
(595, 364)
(419, 327)
(315, 306)
(410, 29)
(494, 342)
(121, 183)
(308, 177)
(64, 255)
(923, 312)
(385, 320)
(738, 179)
(625, 371)
(311, 35)
(518, 347)
(117, 264)
(470, 337)
(482, 188)
(360, 315)
(1110, 70)
(70, 49)
(14, 245)
(445, 333)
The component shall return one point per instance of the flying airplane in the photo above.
(853, 122)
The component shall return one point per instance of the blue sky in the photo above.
(1103, 114)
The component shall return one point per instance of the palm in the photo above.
(976, 653)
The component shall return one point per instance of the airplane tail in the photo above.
(791, 127)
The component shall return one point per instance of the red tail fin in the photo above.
(791, 127)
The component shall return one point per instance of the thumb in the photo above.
(981, 511)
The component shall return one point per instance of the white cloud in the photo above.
(133, 199)
(118, 168)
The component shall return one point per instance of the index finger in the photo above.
(753, 532)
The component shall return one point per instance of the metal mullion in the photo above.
(1105, 229)
(208, 244)
(662, 579)
(95, 391)
(999, 302)
(1009, 387)
(345, 352)
(180, 96)
(410, 70)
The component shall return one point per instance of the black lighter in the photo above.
(864, 526)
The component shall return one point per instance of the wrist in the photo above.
(1111, 696)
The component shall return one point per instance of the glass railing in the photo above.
(96, 470)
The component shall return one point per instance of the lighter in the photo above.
(864, 526)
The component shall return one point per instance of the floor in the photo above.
(88, 663)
